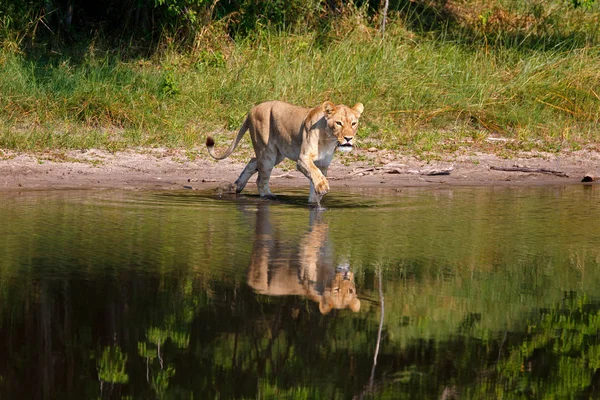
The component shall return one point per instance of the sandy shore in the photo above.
(162, 169)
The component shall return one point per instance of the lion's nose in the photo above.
(348, 138)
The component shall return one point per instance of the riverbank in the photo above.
(167, 169)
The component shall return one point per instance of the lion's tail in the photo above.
(210, 143)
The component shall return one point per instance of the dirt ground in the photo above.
(164, 169)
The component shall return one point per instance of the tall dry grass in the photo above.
(501, 70)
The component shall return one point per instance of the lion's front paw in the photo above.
(322, 187)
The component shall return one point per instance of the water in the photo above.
(448, 293)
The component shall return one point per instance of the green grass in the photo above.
(423, 92)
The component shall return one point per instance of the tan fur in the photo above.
(306, 270)
(308, 136)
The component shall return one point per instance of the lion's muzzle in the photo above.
(345, 145)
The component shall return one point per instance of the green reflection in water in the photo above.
(488, 292)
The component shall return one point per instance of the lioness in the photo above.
(308, 136)
(306, 269)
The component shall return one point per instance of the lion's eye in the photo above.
(354, 123)
(338, 123)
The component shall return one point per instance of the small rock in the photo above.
(372, 149)
(589, 177)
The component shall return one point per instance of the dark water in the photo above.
(461, 293)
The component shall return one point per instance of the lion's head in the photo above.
(343, 122)
(340, 294)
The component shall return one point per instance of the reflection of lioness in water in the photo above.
(308, 136)
(278, 270)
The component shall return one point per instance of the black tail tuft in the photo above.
(210, 142)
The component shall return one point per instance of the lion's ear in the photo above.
(325, 305)
(359, 108)
(328, 108)
(355, 305)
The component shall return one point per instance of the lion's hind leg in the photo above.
(267, 162)
(251, 169)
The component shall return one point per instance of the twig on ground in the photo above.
(533, 170)
(394, 169)
(433, 172)
(286, 175)
(361, 171)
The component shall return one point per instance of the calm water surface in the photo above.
(454, 293)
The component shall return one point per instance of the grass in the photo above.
(422, 92)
